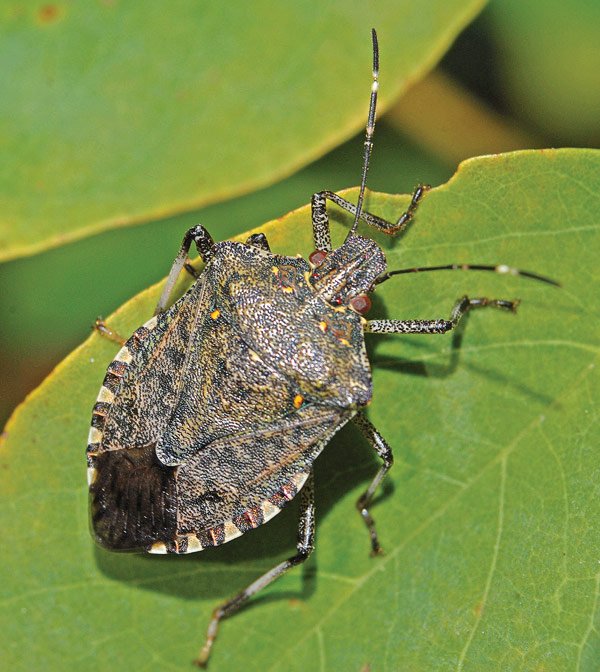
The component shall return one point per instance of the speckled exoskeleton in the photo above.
(212, 414)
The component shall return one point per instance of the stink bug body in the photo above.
(212, 414)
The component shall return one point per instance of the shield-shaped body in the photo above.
(212, 414)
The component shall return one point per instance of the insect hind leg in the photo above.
(382, 448)
(305, 546)
(103, 329)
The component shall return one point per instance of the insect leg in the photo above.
(320, 220)
(437, 326)
(259, 240)
(104, 330)
(191, 270)
(204, 243)
(306, 534)
(385, 453)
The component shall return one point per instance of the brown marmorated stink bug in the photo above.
(211, 415)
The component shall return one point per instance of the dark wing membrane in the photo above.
(236, 475)
(151, 384)
(133, 499)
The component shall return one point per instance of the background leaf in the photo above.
(490, 516)
(114, 113)
(548, 65)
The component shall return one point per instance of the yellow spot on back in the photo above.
(299, 479)
(298, 399)
(288, 289)
(323, 326)
(123, 356)
(215, 314)
(151, 323)
(344, 341)
(275, 269)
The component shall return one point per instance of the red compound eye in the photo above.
(317, 257)
(361, 304)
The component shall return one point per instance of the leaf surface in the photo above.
(114, 113)
(490, 517)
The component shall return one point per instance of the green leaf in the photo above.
(114, 113)
(548, 65)
(490, 516)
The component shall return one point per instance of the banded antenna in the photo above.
(370, 132)
(503, 269)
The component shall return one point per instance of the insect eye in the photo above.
(317, 257)
(361, 304)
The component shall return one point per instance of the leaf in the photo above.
(490, 516)
(116, 113)
(548, 64)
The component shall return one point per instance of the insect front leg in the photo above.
(462, 306)
(320, 219)
(204, 244)
(306, 535)
(384, 451)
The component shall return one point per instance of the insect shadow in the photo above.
(450, 361)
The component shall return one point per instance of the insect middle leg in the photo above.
(204, 243)
(320, 219)
(384, 451)
(305, 546)
(462, 306)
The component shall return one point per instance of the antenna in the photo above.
(501, 268)
(370, 132)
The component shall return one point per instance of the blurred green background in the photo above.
(521, 75)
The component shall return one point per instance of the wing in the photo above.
(231, 486)
(238, 483)
(143, 383)
(133, 495)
